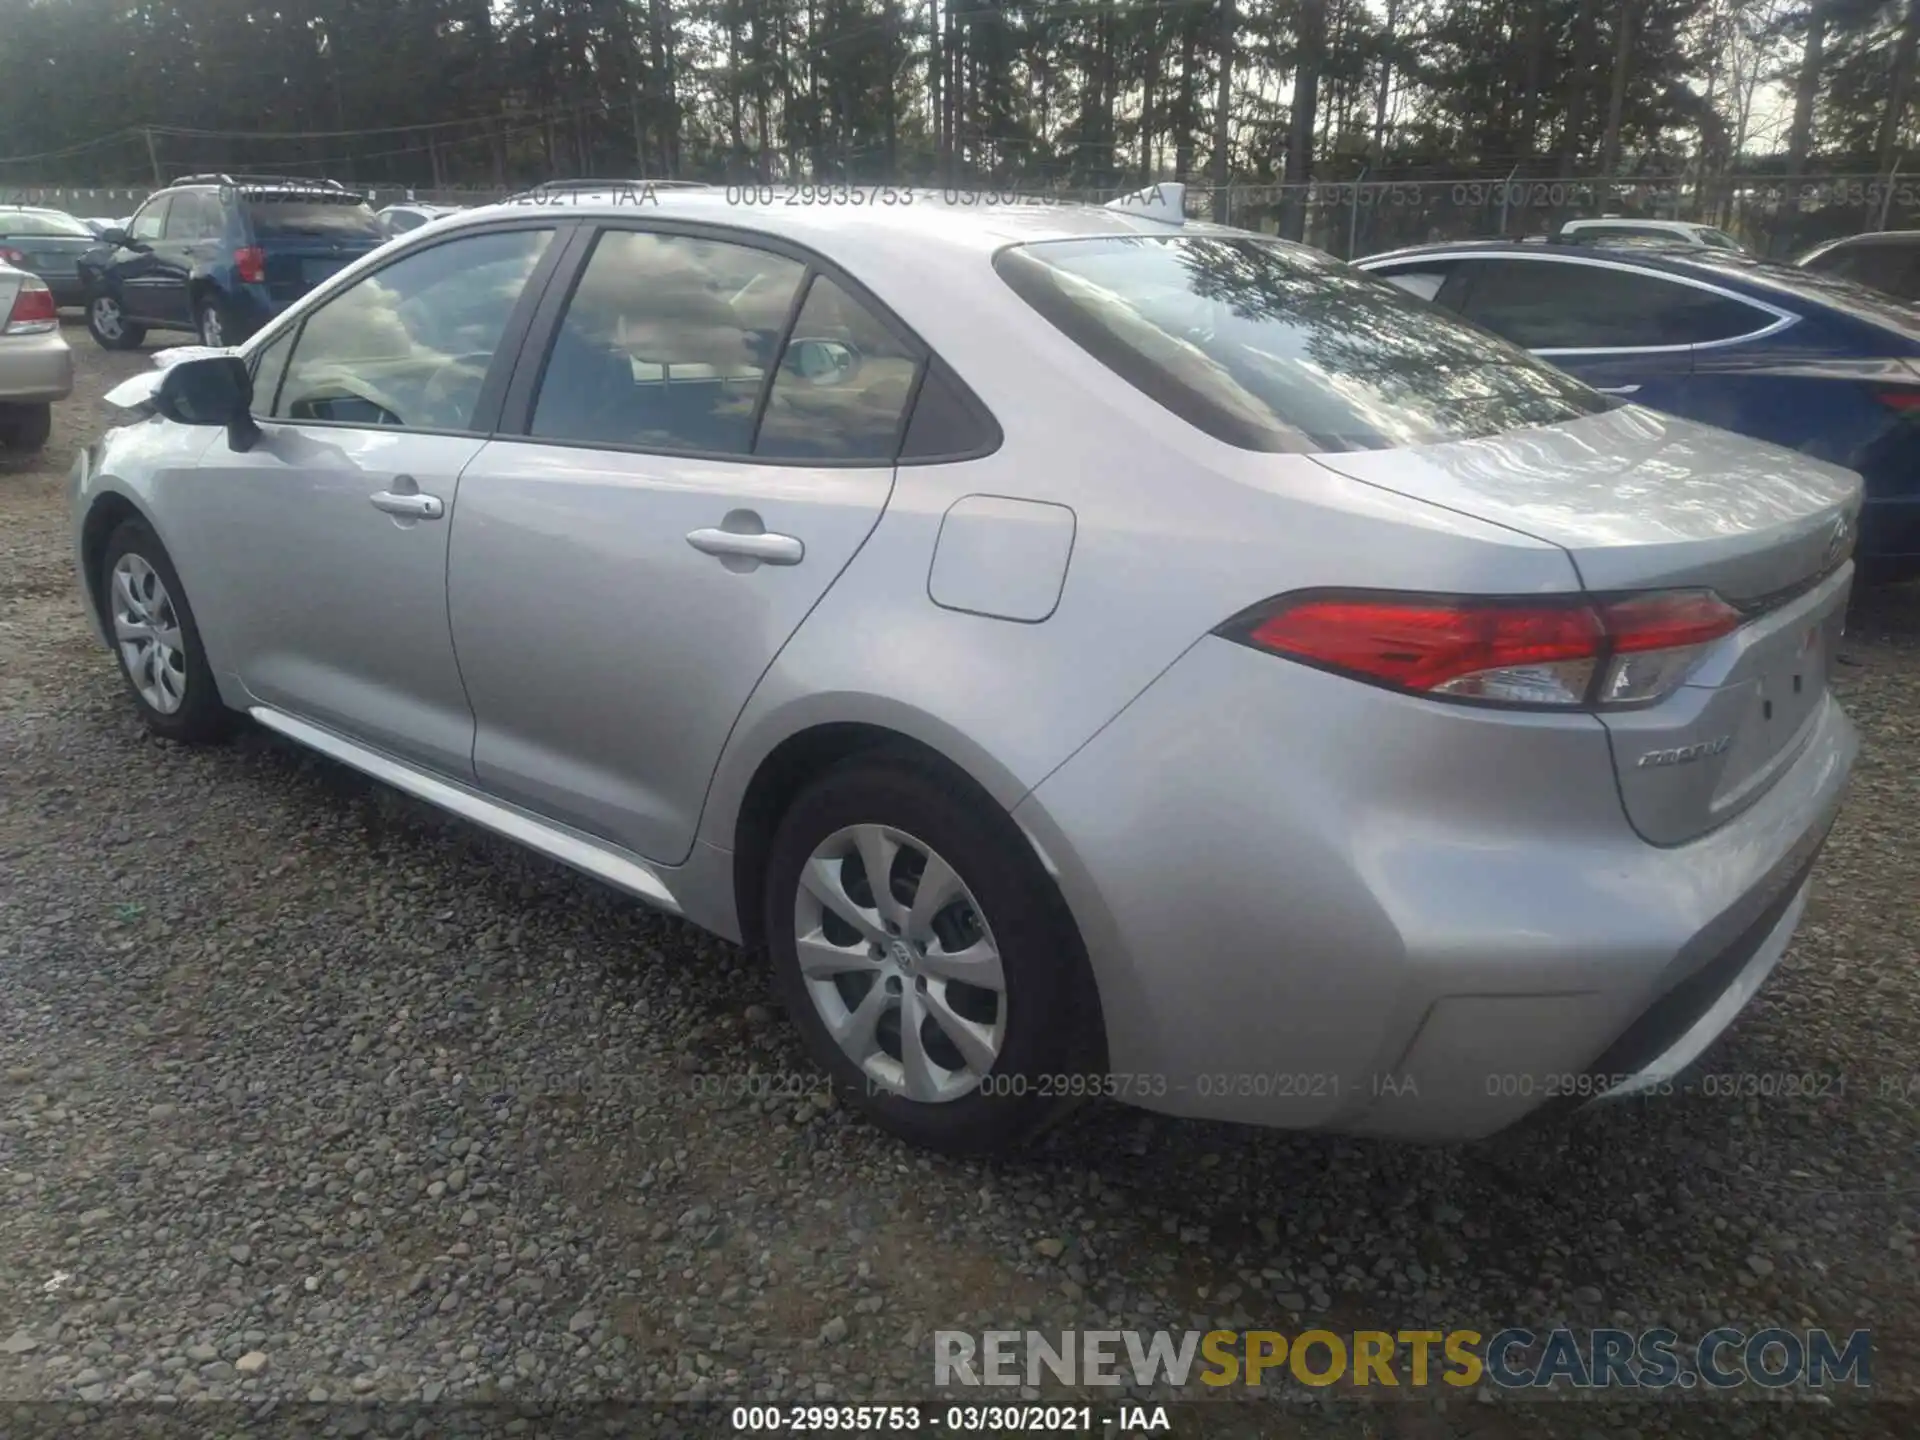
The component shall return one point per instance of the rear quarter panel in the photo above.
(1174, 533)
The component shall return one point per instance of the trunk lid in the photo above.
(1642, 501)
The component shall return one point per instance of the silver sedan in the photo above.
(1093, 653)
(36, 368)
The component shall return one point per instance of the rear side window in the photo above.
(842, 386)
(312, 219)
(666, 344)
(196, 215)
(1559, 305)
(1277, 347)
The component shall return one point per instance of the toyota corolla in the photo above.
(1092, 652)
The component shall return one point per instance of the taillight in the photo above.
(1627, 650)
(12, 256)
(1903, 400)
(252, 263)
(33, 310)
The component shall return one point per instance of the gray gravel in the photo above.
(307, 1093)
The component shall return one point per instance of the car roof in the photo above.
(931, 219)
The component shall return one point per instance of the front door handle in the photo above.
(765, 548)
(414, 506)
(1618, 389)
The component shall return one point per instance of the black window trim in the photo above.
(516, 415)
(1779, 319)
(487, 408)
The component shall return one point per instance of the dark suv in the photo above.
(220, 255)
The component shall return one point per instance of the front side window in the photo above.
(1276, 347)
(666, 344)
(151, 220)
(1547, 305)
(410, 344)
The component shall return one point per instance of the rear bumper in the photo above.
(35, 369)
(1350, 913)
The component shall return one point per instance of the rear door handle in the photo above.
(769, 549)
(1618, 389)
(413, 506)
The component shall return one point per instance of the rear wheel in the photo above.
(919, 948)
(109, 326)
(156, 640)
(25, 427)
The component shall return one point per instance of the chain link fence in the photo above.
(1775, 216)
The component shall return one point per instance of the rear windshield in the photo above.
(322, 219)
(1277, 347)
(38, 222)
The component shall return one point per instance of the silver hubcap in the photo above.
(147, 630)
(899, 963)
(106, 318)
(210, 327)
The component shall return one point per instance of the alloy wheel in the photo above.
(106, 316)
(147, 629)
(900, 963)
(211, 333)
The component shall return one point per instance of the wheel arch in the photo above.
(108, 512)
(804, 754)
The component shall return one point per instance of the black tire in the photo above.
(129, 334)
(25, 427)
(201, 717)
(1050, 1012)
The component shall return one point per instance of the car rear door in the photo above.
(321, 552)
(709, 424)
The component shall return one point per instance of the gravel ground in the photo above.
(309, 1094)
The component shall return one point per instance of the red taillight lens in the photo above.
(1498, 651)
(1903, 400)
(12, 256)
(252, 263)
(33, 309)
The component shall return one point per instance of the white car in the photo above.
(36, 368)
(1613, 229)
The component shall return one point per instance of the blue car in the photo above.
(220, 255)
(1813, 362)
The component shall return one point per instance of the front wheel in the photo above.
(25, 427)
(922, 954)
(156, 640)
(109, 326)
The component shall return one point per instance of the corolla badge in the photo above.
(1684, 754)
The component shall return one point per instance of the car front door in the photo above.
(710, 427)
(137, 266)
(324, 547)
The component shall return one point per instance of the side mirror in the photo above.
(216, 390)
(823, 362)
